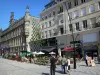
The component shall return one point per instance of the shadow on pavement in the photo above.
(82, 65)
(59, 71)
(45, 74)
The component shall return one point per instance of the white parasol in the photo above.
(35, 52)
(52, 53)
(41, 52)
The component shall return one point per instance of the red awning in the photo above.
(69, 49)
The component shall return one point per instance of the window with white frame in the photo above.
(60, 9)
(42, 34)
(42, 26)
(77, 26)
(76, 14)
(83, 11)
(50, 33)
(76, 2)
(69, 5)
(49, 23)
(46, 35)
(85, 24)
(50, 15)
(61, 21)
(83, 1)
(46, 24)
(70, 16)
(42, 18)
(53, 12)
(45, 17)
(70, 27)
(99, 5)
(91, 8)
(93, 21)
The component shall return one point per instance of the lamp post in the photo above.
(73, 38)
(74, 55)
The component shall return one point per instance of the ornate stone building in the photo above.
(18, 35)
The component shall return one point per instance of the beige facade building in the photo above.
(84, 18)
(18, 35)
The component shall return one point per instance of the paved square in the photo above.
(9, 67)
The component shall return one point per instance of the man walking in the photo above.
(52, 65)
(64, 64)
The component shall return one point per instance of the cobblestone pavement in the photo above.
(9, 67)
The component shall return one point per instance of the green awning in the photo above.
(76, 45)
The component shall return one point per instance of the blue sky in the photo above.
(19, 8)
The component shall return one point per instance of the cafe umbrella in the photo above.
(52, 53)
(40, 53)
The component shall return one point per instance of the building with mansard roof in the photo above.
(18, 35)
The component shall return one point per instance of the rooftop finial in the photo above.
(27, 9)
(12, 18)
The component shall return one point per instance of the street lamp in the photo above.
(74, 57)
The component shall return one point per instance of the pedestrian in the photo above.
(52, 65)
(86, 60)
(64, 64)
(68, 60)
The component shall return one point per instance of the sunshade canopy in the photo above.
(68, 49)
(52, 53)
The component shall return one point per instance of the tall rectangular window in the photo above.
(42, 19)
(91, 8)
(83, 1)
(49, 23)
(83, 11)
(42, 35)
(53, 12)
(50, 33)
(70, 27)
(46, 35)
(50, 15)
(85, 24)
(99, 5)
(42, 26)
(69, 5)
(93, 22)
(77, 26)
(76, 2)
(76, 14)
(61, 30)
(70, 16)
(60, 9)
(45, 17)
(46, 24)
